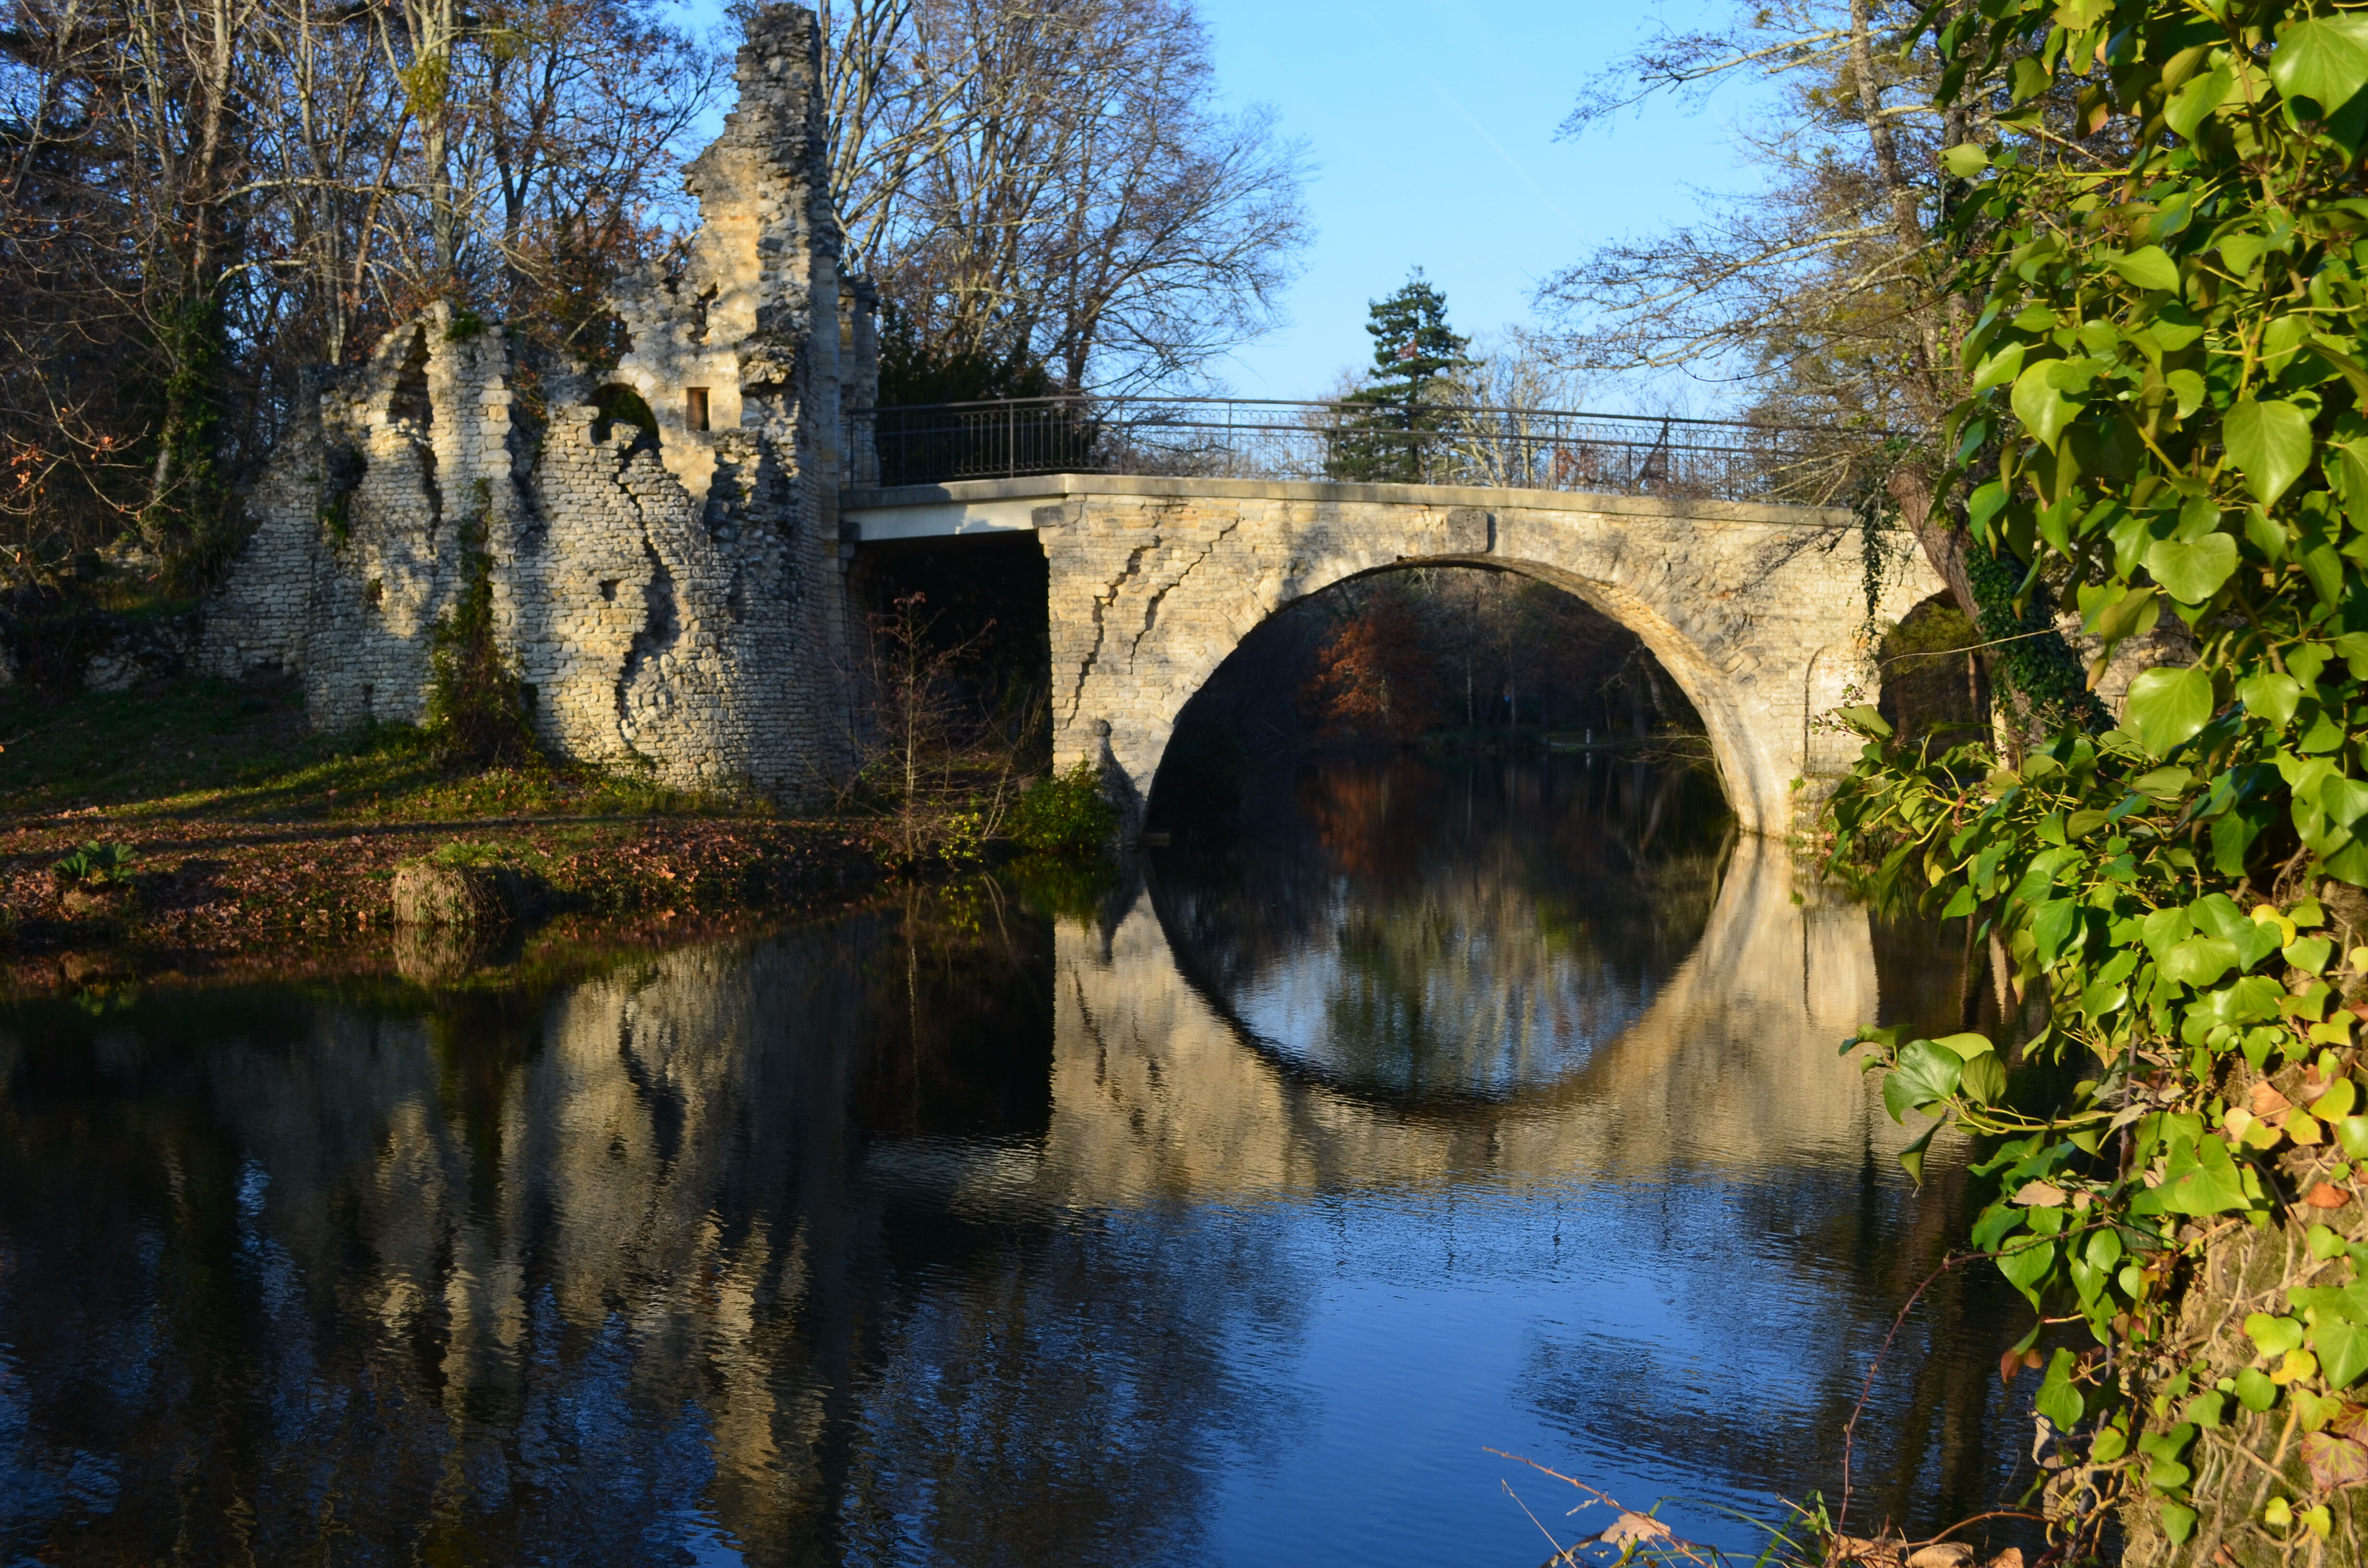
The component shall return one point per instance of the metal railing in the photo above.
(1371, 442)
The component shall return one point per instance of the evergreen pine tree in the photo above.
(1412, 344)
(1385, 428)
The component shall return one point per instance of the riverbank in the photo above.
(227, 835)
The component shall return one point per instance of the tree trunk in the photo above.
(1944, 543)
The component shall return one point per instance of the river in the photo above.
(1230, 1214)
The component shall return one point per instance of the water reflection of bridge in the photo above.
(1157, 1096)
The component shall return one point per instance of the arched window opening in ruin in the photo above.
(620, 404)
(1932, 685)
(1444, 660)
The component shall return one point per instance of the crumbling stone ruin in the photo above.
(662, 546)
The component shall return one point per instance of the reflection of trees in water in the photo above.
(1830, 1253)
(949, 1056)
(771, 1242)
(1060, 1398)
(1797, 1324)
(1450, 929)
(587, 1277)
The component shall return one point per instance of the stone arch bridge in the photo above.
(669, 543)
(1758, 612)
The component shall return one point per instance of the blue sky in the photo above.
(1432, 123)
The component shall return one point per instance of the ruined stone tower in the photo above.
(663, 550)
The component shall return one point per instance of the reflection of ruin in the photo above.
(781, 1245)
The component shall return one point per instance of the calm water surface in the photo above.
(1232, 1221)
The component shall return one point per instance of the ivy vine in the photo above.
(2166, 412)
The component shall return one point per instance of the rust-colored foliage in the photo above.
(1375, 681)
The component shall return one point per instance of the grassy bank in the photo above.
(254, 840)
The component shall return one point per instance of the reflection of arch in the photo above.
(1427, 989)
(1157, 1092)
(1154, 582)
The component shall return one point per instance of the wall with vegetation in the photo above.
(654, 558)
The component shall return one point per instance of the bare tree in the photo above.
(1825, 297)
(1820, 292)
(1050, 183)
(936, 768)
(1495, 409)
(198, 198)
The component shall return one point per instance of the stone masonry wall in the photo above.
(1758, 613)
(674, 600)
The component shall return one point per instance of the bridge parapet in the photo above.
(1346, 440)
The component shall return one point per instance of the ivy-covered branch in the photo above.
(2167, 410)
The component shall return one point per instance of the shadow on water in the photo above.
(1488, 1104)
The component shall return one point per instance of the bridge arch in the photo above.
(1713, 698)
(1758, 612)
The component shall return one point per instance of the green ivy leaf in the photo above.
(1866, 720)
(2272, 1336)
(2199, 961)
(1966, 160)
(2251, 1000)
(2167, 706)
(2133, 614)
(2241, 251)
(2342, 1352)
(2324, 59)
(2332, 830)
(1999, 368)
(2148, 269)
(2197, 98)
(2267, 440)
(2270, 695)
(2041, 404)
(1983, 1079)
(1911, 1158)
(2051, 927)
(2059, 1398)
(2255, 940)
(2192, 572)
(2025, 1263)
(2160, 930)
(2335, 1303)
(1923, 1074)
(2199, 1179)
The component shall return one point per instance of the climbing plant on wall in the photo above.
(2167, 416)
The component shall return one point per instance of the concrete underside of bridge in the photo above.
(1760, 613)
